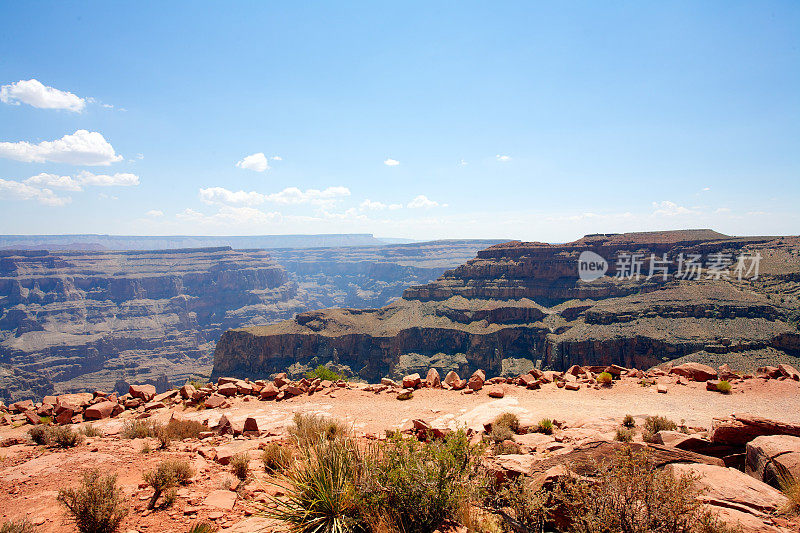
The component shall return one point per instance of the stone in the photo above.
(412, 381)
(495, 391)
(143, 392)
(741, 428)
(711, 384)
(292, 390)
(405, 394)
(475, 382)
(22, 406)
(768, 372)
(100, 410)
(152, 406)
(433, 380)
(661, 388)
(32, 417)
(575, 370)
(724, 372)
(250, 426)
(269, 391)
(789, 371)
(228, 389)
(214, 401)
(572, 386)
(771, 458)
(694, 371)
(389, 382)
(280, 380)
(220, 499)
(188, 391)
(65, 416)
(451, 378)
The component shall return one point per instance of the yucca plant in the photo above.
(320, 494)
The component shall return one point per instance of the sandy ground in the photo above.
(30, 476)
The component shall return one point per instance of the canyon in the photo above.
(520, 305)
(81, 320)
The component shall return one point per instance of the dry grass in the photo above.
(545, 426)
(276, 458)
(309, 429)
(17, 526)
(654, 424)
(167, 475)
(240, 465)
(90, 430)
(625, 435)
(139, 429)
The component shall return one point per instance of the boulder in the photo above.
(243, 387)
(479, 374)
(269, 391)
(188, 391)
(65, 416)
(412, 381)
(32, 417)
(572, 386)
(575, 370)
(451, 378)
(389, 382)
(405, 394)
(768, 372)
(143, 392)
(22, 406)
(220, 499)
(432, 379)
(251, 427)
(495, 391)
(228, 389)
(661, 388)
(280, 380)
(535, 372)
(711, 384)
(694, 371)
(789, 371)
(741, 428)
(214, 401)
(292, 390)
(771, 458)
(100, 410)
(724, 372)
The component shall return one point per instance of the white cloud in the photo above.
(667, 208)
(120, 179)
(16, 190)
(503, 158)
(369, 205)
(276, 158)
(288, 196)
(54, 181)
(230, 216)
(83, 147)
(36, 94)
(391, 162)
(155, 213)
(462, 163)
(256, 162)
(706, 189)
(422, 202)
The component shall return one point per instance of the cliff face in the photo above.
(523, 303)
(72, 320)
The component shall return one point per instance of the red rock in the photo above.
(575, 370)
(572, 386)
(711, 384)
(694, 371)
(536, 373)
(526, 380)
(405, 394)
(615, 370)
(214, 401)
(724, 371)
(475, 383)
(143, 392)
(151, 406)
(221, 499)
(188, 391)
(495, 391)
(65, 416)
(432, 379)
(243, 387)
(49, 400)
(21, 406)
(227, 389)
(479, 374)
(789, 371)
(768, 372)
(741, 428)
(269, 391)
(280, 380)
(411, 381)
(292, 390)
(661, 389)
(451, 378)
(771, 458)
(100, 410)
(250, 427)
(32, 417)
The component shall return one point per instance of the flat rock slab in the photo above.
(771, 457)
(220, 499)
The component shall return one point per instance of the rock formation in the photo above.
(519, 305)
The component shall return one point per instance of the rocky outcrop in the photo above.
(524, 304)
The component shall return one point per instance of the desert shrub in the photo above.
(164, 437)
(791, 489)
(510, 420)
(604, 378)
(276, 458)
(309, 429)
(198, 383)
(724, 387)
(500, 433)
(46, 420)
(139, 429)
(320, 493)
(624, 435)
(654, 424)
(17, 526)
(145, 449)
(323, 372)
(527, 508)
(203, 527)
(629, 421)
(39, 434)
(545, 426)
(628, 495)
(184, 429)
(240, 465)
(90, 430)
(97, 506)
(416, 486)
(168, 474)
(506, 447)
(63, 437)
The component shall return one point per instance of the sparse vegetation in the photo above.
(17, 526)
(63, 437)
(240, 465)
(791, 488)
(310, 428)
(38, 434)
(167, 475)
(276, 458)
(629, 421)
(203, 527)
(604, 378)
(97, 506)
(724, 387)
(139, 429)
(324, 373)
(625, 434)
(90, 430)
(654, 424)
(510, 420)
(545, 426)
(506, 447)
(501, 433)
(145, 449)
(198, 383)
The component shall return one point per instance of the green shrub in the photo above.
(654, 424)
(500, 433)
(509, 420)
(545, 426)
(203, 527)
(625, 435)
(63, 437)
(724, 387)
(629, 421)
(168, 474)
(276, 458)
(309, 429)
(527, 508)
(240, 465)
(97, 506)
(17, 526)
(324, 373)
(46, 420)
(139, 429)
(90, 430)
(604, 378)
(39, 434)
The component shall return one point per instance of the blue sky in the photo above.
(512, 120)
